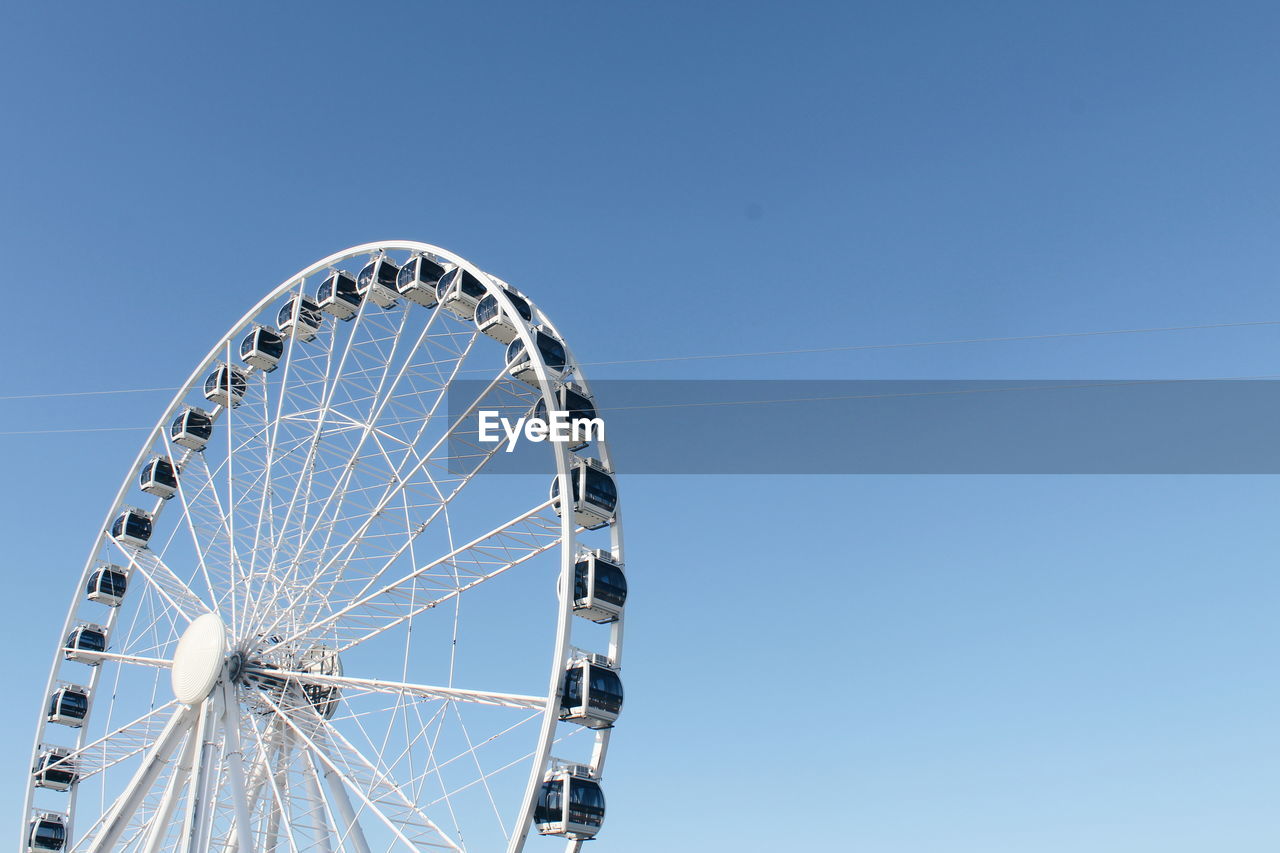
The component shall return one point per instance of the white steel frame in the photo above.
(254, 769)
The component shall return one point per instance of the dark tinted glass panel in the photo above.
(487, 309)
(472, 286)
(309, 313)
(600, 489)
(366, 274)
(552, 350)
(137, 526)
(343, 285)
(611, 583)
(586, 802)
(446, 281)
(160, 471)
(88, 640)
(572, 688)
(549, 802)
(194, 423)
(580, 591)
(408, 272)
(57, 772)
(576, 404)
(429, 271)
(225, 379)
(266, 342)
(49, 835)
(387, 273)
(515, 349)
(522, 307)
(111, 583)
(606, 690)
(69, 705)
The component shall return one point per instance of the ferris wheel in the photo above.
(314, 621)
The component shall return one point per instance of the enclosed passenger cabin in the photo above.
(260, 676)
(493, 317)
(521, 367)
(599, 587)
(132, 527)
(459, 292)
(579, 408)
(226, 385)
(339, 295)
(322, 660)
(262, 348)
(54, 770)
(159, 477)
(417, 280)
(107, 585)
(306, 324)
(192, 428)
(595, 496)
(377, 281)
(592, 694)
(48, 832)
(68, 706)
(570, 804)
(85, 644)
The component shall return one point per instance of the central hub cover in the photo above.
(198, 662)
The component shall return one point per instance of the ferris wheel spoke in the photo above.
(205, 520)
(398, 480)
(492, 773)
(233, 759)
(472, 751)
(164, 581)
(319, 806)
(203, 780)
(266, 759)
(120, 744)
(382, 365)
(426, 691)
(313, 430)
(122, 811)
(383, 797)
(137, 660)
(511, 544)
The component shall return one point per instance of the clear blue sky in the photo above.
(888, 664)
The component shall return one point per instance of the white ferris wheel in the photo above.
(309, 624)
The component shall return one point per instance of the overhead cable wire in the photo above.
(1068, 386)
(771, 353)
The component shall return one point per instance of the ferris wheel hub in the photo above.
(200, 659)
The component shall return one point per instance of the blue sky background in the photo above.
(905, 664)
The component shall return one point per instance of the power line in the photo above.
(84, 393)
(949, 342)
(771, 353)
(84, 429)
(1066, 385)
